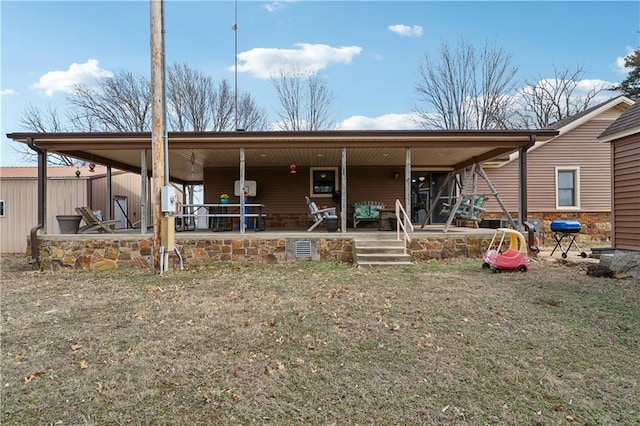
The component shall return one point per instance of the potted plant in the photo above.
(224, 198)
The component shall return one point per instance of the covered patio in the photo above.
(368, 166)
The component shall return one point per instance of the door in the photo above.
(424, 188)
(120, 209)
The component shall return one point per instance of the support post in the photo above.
(343, 192)
(407, 183)
(144, 195)
(241, 226)
(109, 204)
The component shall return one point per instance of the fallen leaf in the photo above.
(99, 388)
(20, 357)
(83, 364)
(32, 376)
(37, 303)
(75, 346)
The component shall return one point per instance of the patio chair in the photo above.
(319, 215)
(93, 222)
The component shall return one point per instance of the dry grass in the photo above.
(320, 343)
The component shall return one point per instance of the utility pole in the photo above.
(162, 234)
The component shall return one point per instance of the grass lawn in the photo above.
(321, 343)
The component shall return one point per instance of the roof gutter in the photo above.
(42, 178)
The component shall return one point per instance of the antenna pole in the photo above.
(235, 33)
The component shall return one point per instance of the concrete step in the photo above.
(382, 251)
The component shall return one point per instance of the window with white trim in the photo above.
(323, 181)
(567, 188)
(1, 208)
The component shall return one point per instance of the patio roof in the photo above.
(191, 152)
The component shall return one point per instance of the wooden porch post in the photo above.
(407, 182)
(343, 192)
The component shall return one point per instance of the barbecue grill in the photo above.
(566, 229)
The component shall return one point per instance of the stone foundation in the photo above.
(596, 226)
(100, 251)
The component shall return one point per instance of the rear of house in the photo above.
(568, 177)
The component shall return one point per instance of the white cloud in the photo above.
(383, 122)
(63, 81)
(265, 62)
(7, 92)
(406, 30)
(277, 5)
(619, 66)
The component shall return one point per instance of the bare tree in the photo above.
(121, 103)
(305, 100)
(551, 99)
(47, 120)
(189, 95)
(465, 88)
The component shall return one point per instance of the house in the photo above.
(65, 191)
(334, 168)
(623, 138)
(568, 176)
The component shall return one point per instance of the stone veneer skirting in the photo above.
(596, 226)
(100, 251)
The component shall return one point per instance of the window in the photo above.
(567, 188)
(324, 181)
(1, 208)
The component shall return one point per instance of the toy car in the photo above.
(499, 256)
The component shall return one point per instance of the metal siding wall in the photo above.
(63, 196)
(21, 196)
(122, 184)
(20, 213)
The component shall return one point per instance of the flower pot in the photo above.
(331, 223)
(224, 201)
(69, 224)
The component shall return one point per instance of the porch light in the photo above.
(396, 175)
(292, 169)
(92, 167)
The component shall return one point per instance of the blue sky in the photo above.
(368, 52)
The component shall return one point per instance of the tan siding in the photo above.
(577, 148)
(63, 195)
(20, 214)
(626, 197)
(124, 185)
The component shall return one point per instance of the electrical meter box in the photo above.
(168, 199)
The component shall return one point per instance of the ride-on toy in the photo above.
(499, 257)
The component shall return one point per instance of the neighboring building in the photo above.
(568, 176)
(624, 137)
(65, 191)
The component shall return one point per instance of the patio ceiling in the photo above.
(191, 152)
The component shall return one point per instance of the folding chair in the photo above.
(93, 222)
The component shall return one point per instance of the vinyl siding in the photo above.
(577, 148)
(626, 193)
